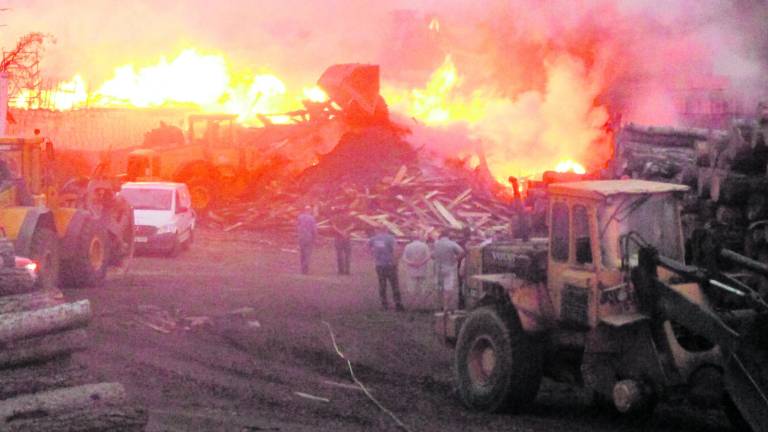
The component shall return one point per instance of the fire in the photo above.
(315, 94)
(523, 134)
(199, 81)
(570, 166)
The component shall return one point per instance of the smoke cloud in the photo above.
(548, 76)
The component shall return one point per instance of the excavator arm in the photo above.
(740, 333)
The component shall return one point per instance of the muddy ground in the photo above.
(223, 337)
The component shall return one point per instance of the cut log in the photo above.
(27, 302)
(19, 325)
(42, 348)
(15, 281)
(41, 377)
(124, 418)
(736, 189)
(757, 206)
(729, 216)
(59, 401)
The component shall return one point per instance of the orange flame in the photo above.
(200, 81)
(523, 135)
(570, 166)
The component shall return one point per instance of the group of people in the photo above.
(443, 258)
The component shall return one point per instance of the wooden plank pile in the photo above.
(41, 387)
(407, 203)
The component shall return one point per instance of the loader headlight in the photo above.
(166, 229)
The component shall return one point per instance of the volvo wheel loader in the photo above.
(607, 302)
(72, 240)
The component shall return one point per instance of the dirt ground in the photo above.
(223, 337)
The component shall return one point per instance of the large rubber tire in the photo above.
(498, 366)
(88, 265)
(44, 250)
(174, 251)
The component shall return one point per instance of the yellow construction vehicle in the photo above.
(607, 302)
(73, 238)
(209, 160)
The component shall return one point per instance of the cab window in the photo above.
(179, 206)
(583, 245)
(560, 232)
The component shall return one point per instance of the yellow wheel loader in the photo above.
(73, 241)
(607, 302)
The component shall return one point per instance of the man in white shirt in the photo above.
(416, 257)
(447, 254)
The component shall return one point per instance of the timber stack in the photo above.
(41, 387)
(733, 184)
(726, 170)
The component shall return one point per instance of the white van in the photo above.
(163, 215)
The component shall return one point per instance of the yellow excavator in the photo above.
(73, 237)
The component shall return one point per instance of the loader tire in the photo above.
(498, 366)
(44, 250)
(88, 265)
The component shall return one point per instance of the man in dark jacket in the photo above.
(342, 227)
(306, 230)
(382, 247)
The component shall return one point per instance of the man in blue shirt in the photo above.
(382, 247)
(306, 229)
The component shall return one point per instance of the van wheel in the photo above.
(176, 248)
(190, 239)
(88, 265)
(498, 366)
(44, 250)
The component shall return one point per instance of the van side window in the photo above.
(581, 235)
(560, 232)
(186, 200)
(179, 205)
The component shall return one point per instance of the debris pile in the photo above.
(376, 179)
(41, 388)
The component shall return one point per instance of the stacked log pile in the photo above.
(659, 153)
(734, 188)
(41, 387)
(726, 172)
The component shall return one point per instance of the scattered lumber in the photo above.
(410, 200)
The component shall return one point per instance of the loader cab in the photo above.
(589, 221)
(212, 130)
(21, 169)
(143, 165)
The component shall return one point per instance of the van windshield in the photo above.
(149, 199)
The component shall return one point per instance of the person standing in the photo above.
(342, 228)
(382, 247)
(306, 229)
(416, 257)
(447, 254)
